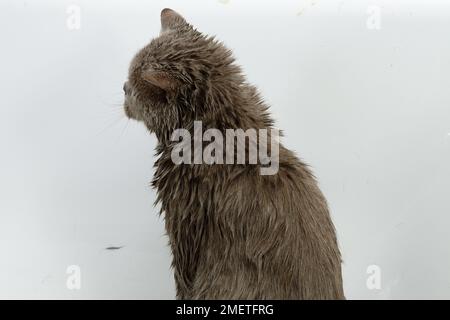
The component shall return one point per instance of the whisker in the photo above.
(123, 130)
(112, 124)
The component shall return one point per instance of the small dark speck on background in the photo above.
(113, 248)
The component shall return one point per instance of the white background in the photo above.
(368, 109)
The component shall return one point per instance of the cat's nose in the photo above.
(126, 87)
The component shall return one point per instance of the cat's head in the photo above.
(178, 77)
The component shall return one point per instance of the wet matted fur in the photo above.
(234, 233)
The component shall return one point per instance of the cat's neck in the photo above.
(240, 107)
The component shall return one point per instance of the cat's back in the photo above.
(282, 223)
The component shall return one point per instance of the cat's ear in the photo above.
(170, 19)
(160, 79)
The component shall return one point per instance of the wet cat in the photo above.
(234, 233)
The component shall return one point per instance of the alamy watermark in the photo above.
(237, 147)
(73, 281)
(73, 21)
(373, 282)
(373, 21)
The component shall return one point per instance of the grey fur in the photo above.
(234, 233)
